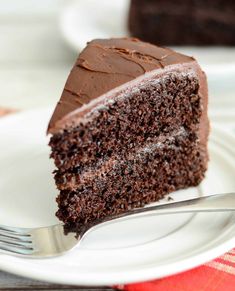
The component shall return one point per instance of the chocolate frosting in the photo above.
(106, 64)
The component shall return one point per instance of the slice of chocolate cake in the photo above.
(183, 22)
(130, 127)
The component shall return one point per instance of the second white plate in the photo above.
(81, 21)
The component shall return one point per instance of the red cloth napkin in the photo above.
(218, 275)
(5, 111)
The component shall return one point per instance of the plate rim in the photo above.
(151, 273)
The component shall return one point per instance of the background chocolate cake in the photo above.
(130, 127)
(183, 22)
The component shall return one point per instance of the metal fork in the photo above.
(52, 240)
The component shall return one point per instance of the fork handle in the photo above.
(213, 203)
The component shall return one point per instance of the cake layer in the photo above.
(144, 176)
(106, 64)
(159, 104)
(74, 178)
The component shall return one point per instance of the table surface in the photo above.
(11, 282)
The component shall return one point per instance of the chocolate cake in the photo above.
(130, 127)
(184, 22)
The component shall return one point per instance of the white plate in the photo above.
(129, 251)
(81, 22)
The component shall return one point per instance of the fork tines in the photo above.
(15, 240)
